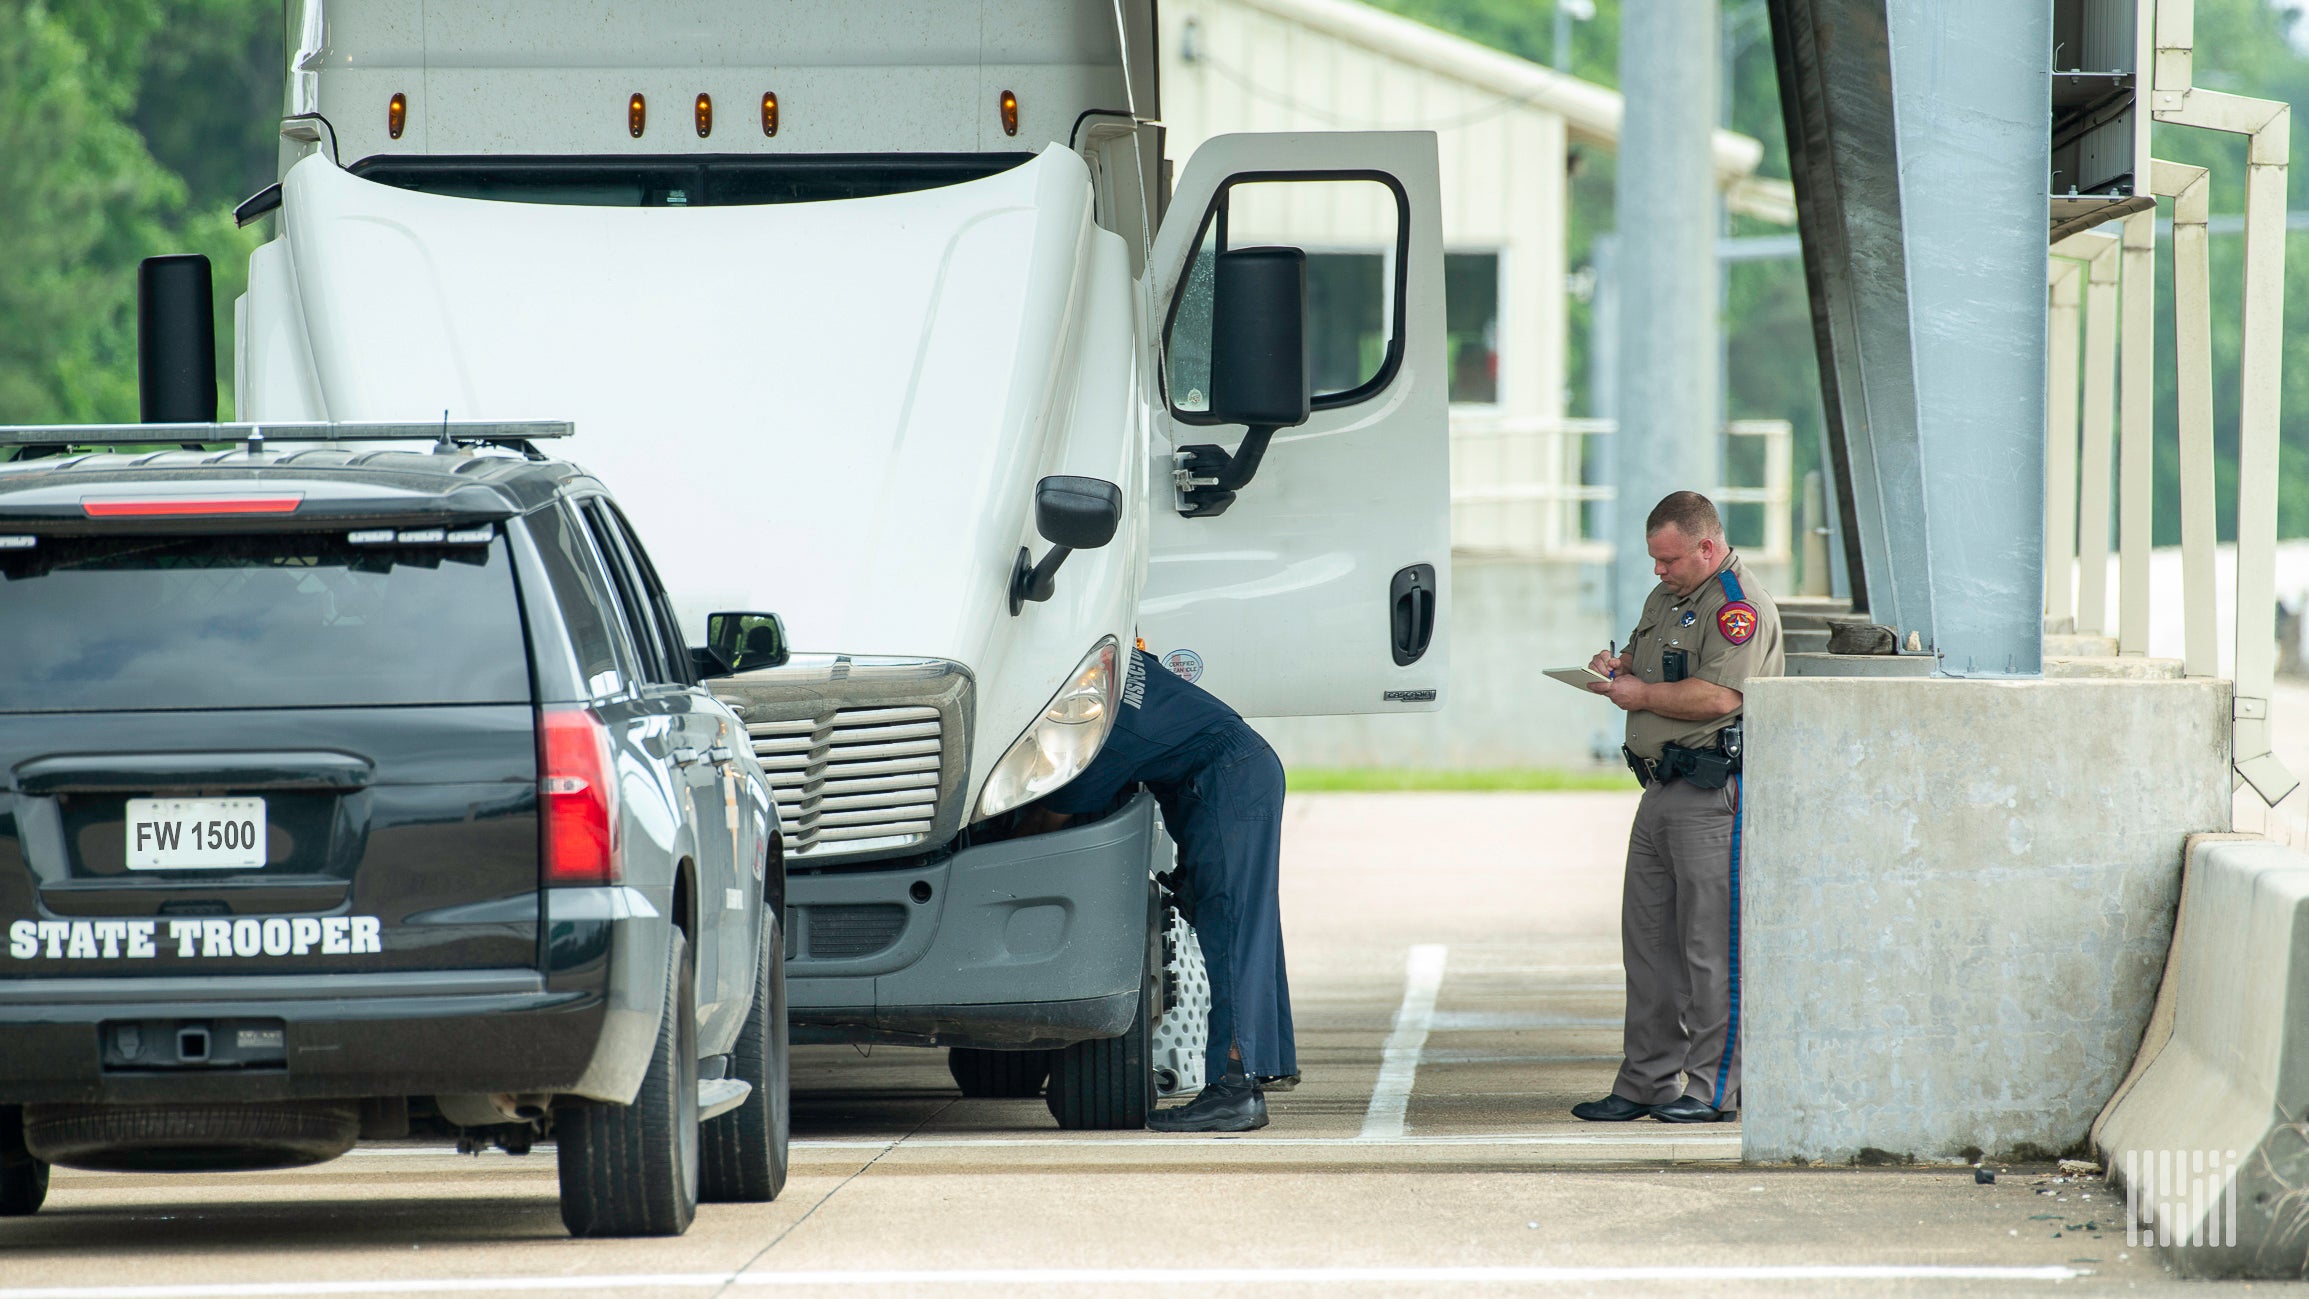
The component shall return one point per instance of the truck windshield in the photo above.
(279, 620)
(706, 180)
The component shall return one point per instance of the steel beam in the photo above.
(1919, 150)
(2136, 444)
(2067, 277)
(2190, 189)
(2096, 482)
(1670, 435)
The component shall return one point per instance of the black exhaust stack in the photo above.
(176, 340)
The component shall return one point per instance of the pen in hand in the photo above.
(1615, 659)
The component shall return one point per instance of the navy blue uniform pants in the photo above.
(1227, 817)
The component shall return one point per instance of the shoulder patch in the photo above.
(1732, 591)
(1737, 621)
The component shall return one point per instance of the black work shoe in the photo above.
(1691, 1109)
(1232, 1104)
(1278, 1082)
(1614, 1108)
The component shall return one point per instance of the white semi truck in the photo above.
(847, 302)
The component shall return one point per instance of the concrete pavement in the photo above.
(1480, 1181)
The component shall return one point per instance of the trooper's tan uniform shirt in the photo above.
(1679, 909)
(1692, 623)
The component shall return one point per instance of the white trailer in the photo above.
(828, 289)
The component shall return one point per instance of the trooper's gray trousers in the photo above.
(1680, 941)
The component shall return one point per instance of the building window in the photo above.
(1471, 323)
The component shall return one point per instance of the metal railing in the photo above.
(1517, 489)
(2102, 444)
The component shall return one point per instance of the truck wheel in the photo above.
(998, 1073)
(632, 1170)
(1107, 1083)
(23, 1179)
(742, 1154)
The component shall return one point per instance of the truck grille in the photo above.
(863, 778)
(836, 933)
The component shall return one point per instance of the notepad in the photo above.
(1577, 677)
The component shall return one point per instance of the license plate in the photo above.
(174, 834)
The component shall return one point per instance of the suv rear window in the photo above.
(276, 620)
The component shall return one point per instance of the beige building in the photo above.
(1529, 588)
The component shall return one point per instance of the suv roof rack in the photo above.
(514, 434)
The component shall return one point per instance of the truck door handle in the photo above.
(1411, 612)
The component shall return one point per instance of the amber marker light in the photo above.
(1009, 113)
(705, 116)
(636, 114)
(396, 114)
(769, 113)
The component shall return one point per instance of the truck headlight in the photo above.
(1063, 740)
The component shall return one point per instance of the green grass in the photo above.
(1366, 780)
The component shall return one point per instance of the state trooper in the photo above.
(1705, 630)
(1221, 792)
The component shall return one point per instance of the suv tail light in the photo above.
(578, 788)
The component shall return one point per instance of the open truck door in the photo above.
(1301, 540)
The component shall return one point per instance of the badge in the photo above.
(1184, 664)
(1691, 616)
(1737, 621)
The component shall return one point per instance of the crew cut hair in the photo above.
(1693, 514)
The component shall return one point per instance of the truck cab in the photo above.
(844, 312)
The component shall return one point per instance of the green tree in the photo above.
(85, 198)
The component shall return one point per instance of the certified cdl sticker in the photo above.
(239, 938)
(1184, 664)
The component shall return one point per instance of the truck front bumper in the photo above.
(1029, 943)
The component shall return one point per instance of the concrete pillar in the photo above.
(1956, 900)
(1666, 203)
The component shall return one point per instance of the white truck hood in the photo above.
(879, 372)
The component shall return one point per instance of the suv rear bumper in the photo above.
(1028, 943)
(584, 1028)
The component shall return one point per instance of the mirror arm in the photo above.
(1208, 477)
(1032, 581)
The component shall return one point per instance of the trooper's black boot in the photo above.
(1230, 1104)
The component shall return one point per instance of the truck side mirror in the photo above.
(1072, 514)
(175, 340)
(1259, 368)
(1260, 376)
(740, 642)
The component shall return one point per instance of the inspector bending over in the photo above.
(1705, 630)
(1221, 792)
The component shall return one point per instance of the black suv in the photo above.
(354, 794)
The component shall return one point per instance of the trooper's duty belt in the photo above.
(1704, 768)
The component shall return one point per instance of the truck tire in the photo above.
(191, 1138)
(1107, 1083)
(23, 1179)
(998, 1073)
(632, 1170)
(742, 1154)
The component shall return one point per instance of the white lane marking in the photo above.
(1422, 979)
(1481, 1021)
(1646, 1136)
(891, 1277)
(1521, 1139)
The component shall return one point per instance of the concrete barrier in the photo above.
(2209, 1135)
(1957, 899)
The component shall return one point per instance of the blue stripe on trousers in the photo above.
(1732, 1029)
